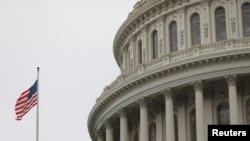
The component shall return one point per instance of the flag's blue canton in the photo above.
(32, 90)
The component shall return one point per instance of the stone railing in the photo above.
(168, 59)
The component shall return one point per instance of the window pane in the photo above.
(220, 21)
(155, 45)
(195, 25)
(223, 113)
(140, 51)
(193, 125)
(173, 37)
(246, 19)
(152, 132)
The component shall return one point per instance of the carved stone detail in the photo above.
(205, 28)
(142, 102)
(108, 123)
(123, 112)
(181, 37)
(233, 24)
(197, 85)
(231, 79)
(167, 93)
(160, 46)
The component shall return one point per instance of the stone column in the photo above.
(109, 130)
(199, 108)
(170, 130)
(143, 119)
(233, 103)
(181, 117)
(123, 124)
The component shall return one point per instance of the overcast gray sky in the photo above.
(71, 41)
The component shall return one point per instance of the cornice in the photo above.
(171, 63)
(96, 124)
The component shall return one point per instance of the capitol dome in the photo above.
(184, 64)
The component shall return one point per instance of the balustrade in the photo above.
(175, 57)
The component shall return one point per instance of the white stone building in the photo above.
(184, 64)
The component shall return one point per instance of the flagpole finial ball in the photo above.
(38, 68)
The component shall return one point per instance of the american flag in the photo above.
(26, 101)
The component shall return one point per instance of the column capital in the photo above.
(168, 93)
(142, 102)
(231, 79)
(108, 123)
(197, 85)
(123, 112)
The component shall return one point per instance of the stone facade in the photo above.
(184, 64)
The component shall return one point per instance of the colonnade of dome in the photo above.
(184, 64)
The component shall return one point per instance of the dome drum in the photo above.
(184, 64)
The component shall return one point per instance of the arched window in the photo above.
(130, 64)
(245, 19)
(152, 132)
(193, 125)
(248, 111)
(195, 27)
(220, 24)
(173, 37)
(140, 51)
(223, 113)
(155, 44)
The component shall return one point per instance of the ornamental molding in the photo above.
(197, 85)
(123, 112)
(168, 93)
(231, 79)
(110, 95)
(108, 122)
(233, 24)
(94, 122)
(218, 3)
(114, 93)
(144, 12)
(159, 8)
(142, 102)
(205, 28)
(167, 64)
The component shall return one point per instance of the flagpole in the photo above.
(37, 110)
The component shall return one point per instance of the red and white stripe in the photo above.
(23, 105)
